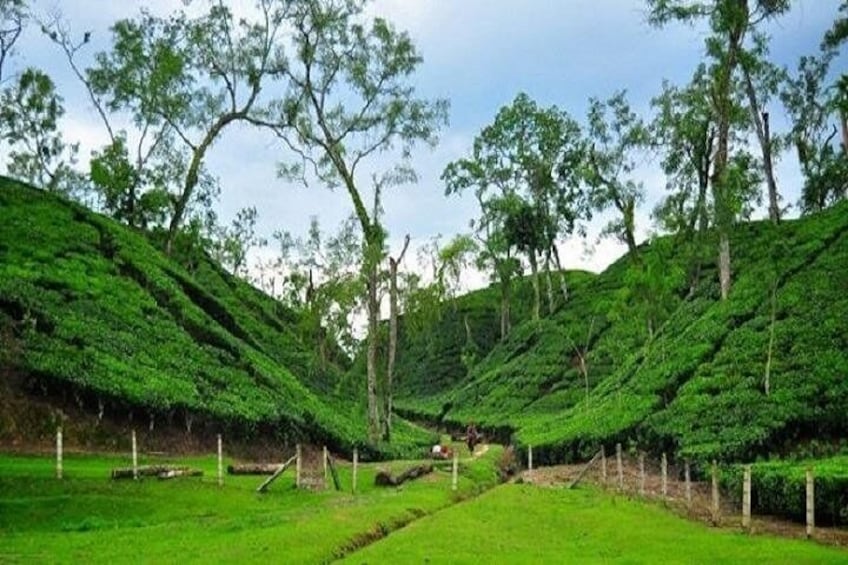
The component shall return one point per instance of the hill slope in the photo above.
(696, 387)
(91, 310)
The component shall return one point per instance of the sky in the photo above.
(478, 54)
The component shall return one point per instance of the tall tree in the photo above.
(729, 21)
(762, 80)
(186, 79)
(350, 99)
(393, 338)
(29, 123)
(233, 242)
(12, 18)
(813, 109)
(617, 136)
(524, 170)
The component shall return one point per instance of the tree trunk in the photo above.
(537, 294)
(724, 264)
(721, 198)
(393, 332)
(563, 286)
(505, 298)
(761, 126)
(371, 379)
(628, 211)
(844, 120)
(549, 282)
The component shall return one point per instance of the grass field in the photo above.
(89, 518)
(527, 524)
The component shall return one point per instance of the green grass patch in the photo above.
(527, 524)
(89, 518)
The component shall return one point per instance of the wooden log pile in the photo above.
(385, 479)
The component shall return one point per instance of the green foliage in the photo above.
(778, 488)
(29, 123)
(101, 313)
(696, 387)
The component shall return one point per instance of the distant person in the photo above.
(471, 437)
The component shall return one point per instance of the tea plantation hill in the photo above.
(92, 314)
(696, 389)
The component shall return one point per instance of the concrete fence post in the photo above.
(811, 503)
(220, 461)
(746, 498)
(642, 474)
(664, 476)
(59, 453)
(324, 460)
(619, 466)
(355, 467)
(455, 472)
(716, 505)
(604, 465)
(688, 480)
(530, 459)
(298, 465)
(134, 456)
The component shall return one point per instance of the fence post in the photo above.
(324, 459)
(355, 465)
(746, 498)
(220, 461)
(664, 476)
(642, 474)
(134, 456)
(297, 466)
(530, 459)
(716, 508)
(455, 471)
(604, 465)
(688, 479)
(811, 502)
(59, 453)
(620, 467)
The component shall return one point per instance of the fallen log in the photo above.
(155, 471)
(385, 478)
(253, 468)
(180, 473)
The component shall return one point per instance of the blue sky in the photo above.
(479, 54)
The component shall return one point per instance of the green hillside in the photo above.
(696, 388)
(92, 310)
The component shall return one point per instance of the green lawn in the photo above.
(88, 518)
(527, 524)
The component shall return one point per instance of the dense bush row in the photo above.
(696, 388)
(778, 488)
(99, 311)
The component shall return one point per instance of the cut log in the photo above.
(173, 473)
(153, 471)
(264, 486)
(253, 469)
(385, 478)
